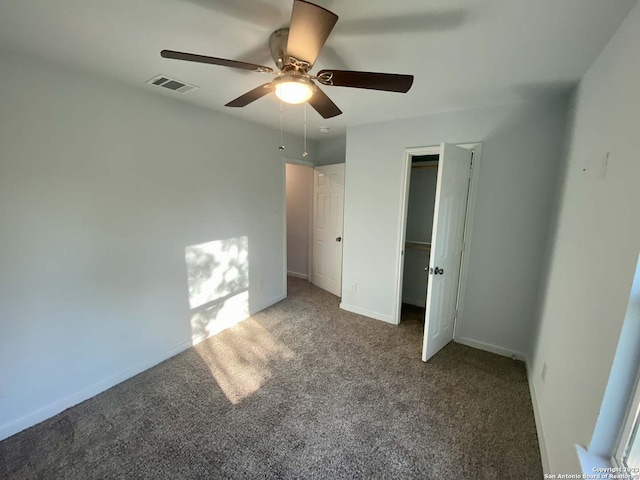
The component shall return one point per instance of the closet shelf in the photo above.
(426, 246)
(422, 167)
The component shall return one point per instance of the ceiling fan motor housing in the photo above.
(278, 46)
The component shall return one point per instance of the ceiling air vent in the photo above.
(171, 84)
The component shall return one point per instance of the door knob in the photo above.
(339, 239)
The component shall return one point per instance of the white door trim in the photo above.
(310, 199)
(468, 231)
(283, 166)
(404, 189)
(435, 150)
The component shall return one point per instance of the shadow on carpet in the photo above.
(300, 390)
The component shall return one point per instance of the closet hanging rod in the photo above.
(418, 246)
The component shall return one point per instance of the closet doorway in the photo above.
(437, 193)
(299, 227)
(314, 203)
(419, 226)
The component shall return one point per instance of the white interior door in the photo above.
(328, 210)
(452, 191)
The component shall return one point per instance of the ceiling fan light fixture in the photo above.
(293, 88)
(294, 49)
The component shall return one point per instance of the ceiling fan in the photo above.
(294, 51)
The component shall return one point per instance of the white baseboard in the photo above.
(304, 276)
(92, 390)
(266, 304)
(60, 405)
(368, 313)
(487, 347)
(542, 443)
(544, 455)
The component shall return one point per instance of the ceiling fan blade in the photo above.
(389, 82)
(323, 104)
(251, 96)
(192, 57)
(310, 27)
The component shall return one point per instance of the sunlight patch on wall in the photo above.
(243, 358)
(217, 269)
(218, 281)
(224, 314)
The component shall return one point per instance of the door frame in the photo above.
(302, 163)
(476, 148)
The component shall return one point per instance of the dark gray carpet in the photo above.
(301, 390)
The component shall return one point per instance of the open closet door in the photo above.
(446, 247)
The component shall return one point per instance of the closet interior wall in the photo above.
(422, 195)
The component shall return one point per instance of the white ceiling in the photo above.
(463, 53)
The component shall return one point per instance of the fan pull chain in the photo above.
(281, 147)
(305, 153)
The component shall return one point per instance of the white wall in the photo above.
(422, 200)
(299, 205)
(521, 153)
(420, 209)
(102, 186)
(332, 150)
(593, 258)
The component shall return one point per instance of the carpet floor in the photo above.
(300, 390)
